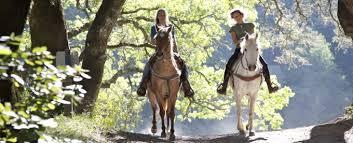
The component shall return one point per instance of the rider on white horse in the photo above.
(238, 31)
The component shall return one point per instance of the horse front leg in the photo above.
(153, 101)
(239, 112)
(249, 127)
(154, 122)
(162, 113)
(171, 117)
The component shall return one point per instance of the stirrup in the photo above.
(273, 89)
(221, 89)
(141, 91)
(190, 93)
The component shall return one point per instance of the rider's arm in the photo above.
(252, 27)
(235, 40)
(153, 33)
(174, 40)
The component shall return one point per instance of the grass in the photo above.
(81, 127)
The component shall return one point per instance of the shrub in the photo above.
(40, 86)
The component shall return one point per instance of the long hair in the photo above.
(166, 16)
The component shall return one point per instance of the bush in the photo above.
(349, 111)
(40, 86)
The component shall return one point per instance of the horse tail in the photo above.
(165, 105)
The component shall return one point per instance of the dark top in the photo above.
(154, 31)
(241, 29)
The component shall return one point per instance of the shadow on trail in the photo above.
(136, 137)
(330, 133)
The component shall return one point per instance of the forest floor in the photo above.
(339, 131)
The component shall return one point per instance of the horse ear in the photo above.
(170, 29)
(246, 36)
(256, 35)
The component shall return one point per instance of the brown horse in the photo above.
(162, 90)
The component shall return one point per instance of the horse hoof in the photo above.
(163, 135)
(251, 133)
(172, 137)
(154, 130)
(241, 132)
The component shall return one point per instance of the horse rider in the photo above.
(238, 31)
(162, 19)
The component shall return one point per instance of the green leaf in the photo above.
(51, 106)
(5, 50)
(18, 79)
(12, 139)
(39, 49)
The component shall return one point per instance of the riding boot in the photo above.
(266, 72)
(141, 90)
(222, 88)
(188, 91)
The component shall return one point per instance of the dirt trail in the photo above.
(337, 132)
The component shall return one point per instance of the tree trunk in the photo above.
(345, 16)
(13, 15)
(48, 26)
(94, 53)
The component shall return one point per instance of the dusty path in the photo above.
(338, 132)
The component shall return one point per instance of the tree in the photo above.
(345, 14)
(94, 54)
(199, 30)
(13, 14)
(47, 25)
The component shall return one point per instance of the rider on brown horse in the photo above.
(162, 20)
(238, 31)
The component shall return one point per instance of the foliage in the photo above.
(82, 127)
(349, 111)
(40, 86)
(199, 31)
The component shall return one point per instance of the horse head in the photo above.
(164, 39)
(250, 50)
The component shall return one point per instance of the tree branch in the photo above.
(280, 12)
(140, 9)
(122, 44)
(299, 10)
(204, 76)
(334, 19)
(77, 31)
(112, 80)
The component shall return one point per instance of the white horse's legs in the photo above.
(239, 112)
(249, 127)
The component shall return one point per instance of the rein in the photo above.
(246, 78)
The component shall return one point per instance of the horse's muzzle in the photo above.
(252, 67)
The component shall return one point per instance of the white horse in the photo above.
(246, 79)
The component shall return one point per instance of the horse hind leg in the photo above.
(239, 113)
(153, 101)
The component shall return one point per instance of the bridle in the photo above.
(245, 78)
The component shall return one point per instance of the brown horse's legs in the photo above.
(154, 122)
(162, 113)
(172, 116)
